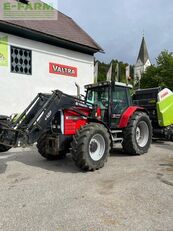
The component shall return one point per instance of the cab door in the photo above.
(99, 96)
(120, 101)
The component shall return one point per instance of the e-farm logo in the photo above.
(30, 10)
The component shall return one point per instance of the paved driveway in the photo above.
(129, 193)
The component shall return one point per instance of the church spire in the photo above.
(143, 61)
(143, 56)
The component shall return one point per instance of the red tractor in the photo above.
(88, 128)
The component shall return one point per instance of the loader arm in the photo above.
(37, 118)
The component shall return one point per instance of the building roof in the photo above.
(64, 30)
(143, 52)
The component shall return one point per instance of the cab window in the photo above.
(119, 100)
(98, 96)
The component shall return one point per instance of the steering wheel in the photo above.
(119, 106)
(104, 102)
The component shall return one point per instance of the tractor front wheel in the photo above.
(91, 147)
(138, 134)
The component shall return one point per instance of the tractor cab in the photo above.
(113, 98)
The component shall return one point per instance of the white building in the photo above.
(143, 61)
(40, 56)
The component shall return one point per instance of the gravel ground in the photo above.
(129, 193)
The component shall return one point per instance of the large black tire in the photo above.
(4, 120)
(90, 147)
(46, 151)
(4, 148)
(137, 136)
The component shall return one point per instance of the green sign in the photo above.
(4, 51)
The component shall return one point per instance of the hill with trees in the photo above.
(104, 67)
(160, 74)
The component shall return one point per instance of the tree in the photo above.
(151, 78)
(103, 69)
(165, 68)
(160, 74)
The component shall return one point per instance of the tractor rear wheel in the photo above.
(91, 147)
(45, 148)
(4, 148)
(138, 134)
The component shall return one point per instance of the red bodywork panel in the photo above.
(73, 121)
(127, 115)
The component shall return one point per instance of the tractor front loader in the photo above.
(60, 123)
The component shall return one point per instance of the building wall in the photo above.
(139, 69)
(147, 64)
(17, 90)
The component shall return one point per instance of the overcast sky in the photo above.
(118, 25)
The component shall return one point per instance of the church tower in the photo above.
(143, 61)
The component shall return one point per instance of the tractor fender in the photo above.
(128, 113)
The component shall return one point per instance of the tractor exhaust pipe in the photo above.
(78, 90)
